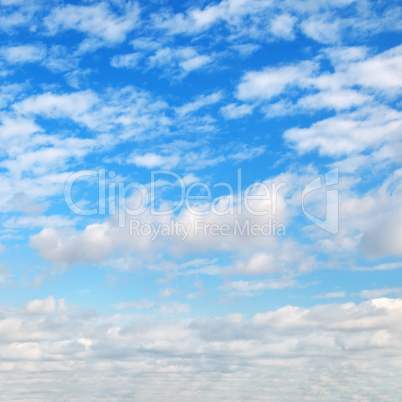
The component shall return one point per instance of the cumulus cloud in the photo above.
(68, 246)
(45, 306)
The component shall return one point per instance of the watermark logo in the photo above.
(203, 228)
(198, 198)
(331, 221)
(226, 209)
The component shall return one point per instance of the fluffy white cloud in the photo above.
(68, 246)
(357, 80)
(95, 20)
(23, 54)
(45, 306)
(348, 133)
(57, 106)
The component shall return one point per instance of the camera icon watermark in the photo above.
(331, 221)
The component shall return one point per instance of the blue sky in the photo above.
(197, 107)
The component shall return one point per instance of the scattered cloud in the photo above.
(152, 160)
(96, 20)
(23, 54)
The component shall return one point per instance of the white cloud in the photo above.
(16, 14)
(321, 29)
(51, 105)
(357, 80)
(384, 236)
(179, 61)
(17, 129)
(233, 111)
(368, 224)
(199, 102)
(261, 263)
(68, 246)
(48, 159)
(151, 160)
(348, 133)
(23, 53)
(96, 20)
(244, 153)
(347, 98)
(382, 72)
(251, 288)
(45, 306)
(97, 242)
(353, 341)
(194, 63)
(38, 221)
(128, 109)
(335, 99)
(380, 267)
(246, 49)
(375, 293)
(283, 26)
(60, 59)
(263, 85)
(125, 60)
